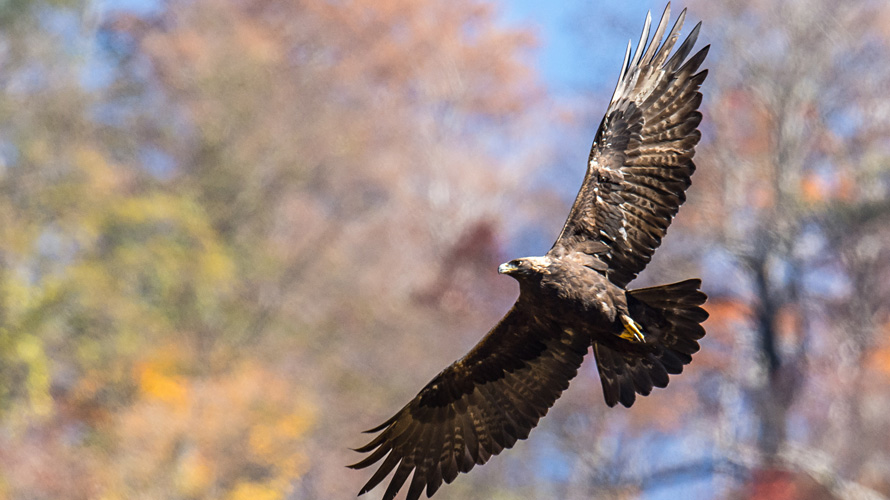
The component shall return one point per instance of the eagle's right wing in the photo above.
(478, 406)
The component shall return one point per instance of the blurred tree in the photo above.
(798, 181)
(99, 263)
(214, 213)
(345, 152)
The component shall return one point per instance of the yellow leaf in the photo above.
(158, 383)
(254, 491)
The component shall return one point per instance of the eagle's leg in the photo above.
(632, 330)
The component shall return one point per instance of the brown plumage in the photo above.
(574, 297)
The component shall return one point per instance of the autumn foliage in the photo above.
(234, 234)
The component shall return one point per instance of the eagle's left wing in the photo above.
(476, 407)
(641, 160)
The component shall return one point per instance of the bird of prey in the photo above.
(575, 297)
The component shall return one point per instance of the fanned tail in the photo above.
(671, 317)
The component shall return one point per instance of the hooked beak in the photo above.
(506, 268)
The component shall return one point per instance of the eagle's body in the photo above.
(576, 295)
(574, 298)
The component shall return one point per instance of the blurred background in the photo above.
(235, 233)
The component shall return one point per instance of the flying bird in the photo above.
(575, 297)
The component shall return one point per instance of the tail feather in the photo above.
(670, 316)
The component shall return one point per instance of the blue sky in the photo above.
(582, 42)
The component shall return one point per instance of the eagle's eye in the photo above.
(518, 263)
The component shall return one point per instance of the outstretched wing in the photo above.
(641, 160)
(476, 407)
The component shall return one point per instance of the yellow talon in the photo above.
(631, 330)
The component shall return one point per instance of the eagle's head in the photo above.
(526, 267)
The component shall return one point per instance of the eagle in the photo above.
(575, 297)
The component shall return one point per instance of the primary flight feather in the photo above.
(574, 297)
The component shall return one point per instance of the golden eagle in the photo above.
(574, 296)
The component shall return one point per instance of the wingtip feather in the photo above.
(644, 37)
(657, 36)
(384, 425)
